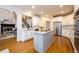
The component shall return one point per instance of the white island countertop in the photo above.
(43, 32)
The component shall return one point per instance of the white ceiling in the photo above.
(52, 10)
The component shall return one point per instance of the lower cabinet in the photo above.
(65, 33)
(25, 35)
(70, 35)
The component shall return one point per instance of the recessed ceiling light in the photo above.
(62, 12)
(33, 6)
(61, 5)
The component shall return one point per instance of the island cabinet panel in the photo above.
(38, 43)
(42, 41)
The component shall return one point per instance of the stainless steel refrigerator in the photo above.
(57, 26)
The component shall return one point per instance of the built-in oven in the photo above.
(76, 32)
(76, 35)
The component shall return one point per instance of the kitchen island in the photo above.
(42, 40)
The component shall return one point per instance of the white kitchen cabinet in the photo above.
(25, 34)
(68, 31)
(65, 33)
(70, 35)
(72, 40)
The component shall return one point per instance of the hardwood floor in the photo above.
(60, 45)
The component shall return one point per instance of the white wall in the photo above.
(36, 21)
(5, 14)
